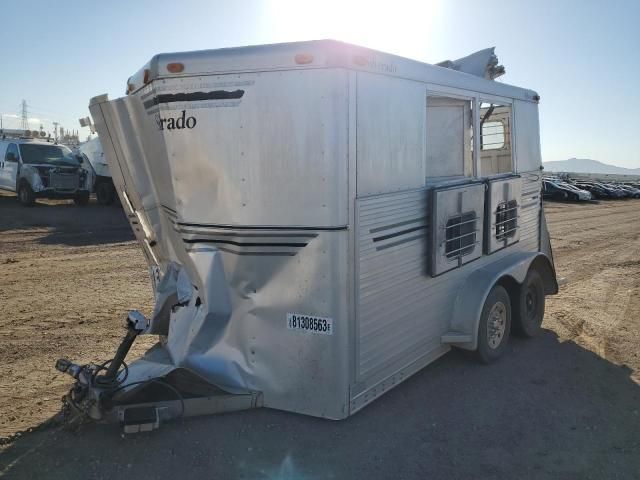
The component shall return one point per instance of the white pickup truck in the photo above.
(38, 169)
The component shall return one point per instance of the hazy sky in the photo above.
(582, 57)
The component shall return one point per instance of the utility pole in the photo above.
(25, 116)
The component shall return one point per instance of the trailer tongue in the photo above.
(103, 392)
(320, 221)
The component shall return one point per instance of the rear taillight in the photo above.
(303, 58)
(175, 67)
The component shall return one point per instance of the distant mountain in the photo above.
(586, 165)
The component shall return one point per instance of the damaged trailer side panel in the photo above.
(268, 242)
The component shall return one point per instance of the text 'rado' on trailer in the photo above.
(321, 221)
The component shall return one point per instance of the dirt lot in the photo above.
(565, 405)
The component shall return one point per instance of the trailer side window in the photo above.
(492, 136)
(495, 139)
(449, 137)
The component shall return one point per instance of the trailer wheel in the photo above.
(104, 194)
(529, 312)
(26, 195)
(495, 325)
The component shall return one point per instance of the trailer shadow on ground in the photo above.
(61, 222)
(548, 409)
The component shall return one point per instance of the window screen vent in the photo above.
(506, 220)
(460, 235)
(457, 220)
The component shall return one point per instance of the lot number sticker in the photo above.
(309, 323)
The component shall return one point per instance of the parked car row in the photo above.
(582, 190)
(610, 190)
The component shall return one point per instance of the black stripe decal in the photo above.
(260, 227)
(243, 244)
(397, 234)
(224, 249)
(170, 210)
(399, 242)
(399, 224)
(193, 97)
(260, 254)
(247, 235)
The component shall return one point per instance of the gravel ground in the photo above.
(565, 405)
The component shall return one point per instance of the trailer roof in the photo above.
(313, 54)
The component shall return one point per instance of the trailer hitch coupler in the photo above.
(67, 366)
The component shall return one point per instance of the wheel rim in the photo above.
(496, 325)
(531, 302)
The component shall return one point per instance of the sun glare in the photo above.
(402, 27)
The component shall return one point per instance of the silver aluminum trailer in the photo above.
(321, 221)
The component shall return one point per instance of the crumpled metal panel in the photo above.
(246, 277)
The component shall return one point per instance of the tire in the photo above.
(81, 199)
(495, 325)
(104, 194)
(26, 195)
(561, 196)
(529, 311)
(575, 198)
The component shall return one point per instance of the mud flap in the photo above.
(550, 279)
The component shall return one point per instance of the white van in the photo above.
(93, 154)
(38, 169)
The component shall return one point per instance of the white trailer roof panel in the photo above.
(314, 54)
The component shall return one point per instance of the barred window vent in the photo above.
(506, 220)
(461, 232)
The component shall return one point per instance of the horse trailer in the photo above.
(321, 221)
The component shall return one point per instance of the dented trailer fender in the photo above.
(508, 272)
